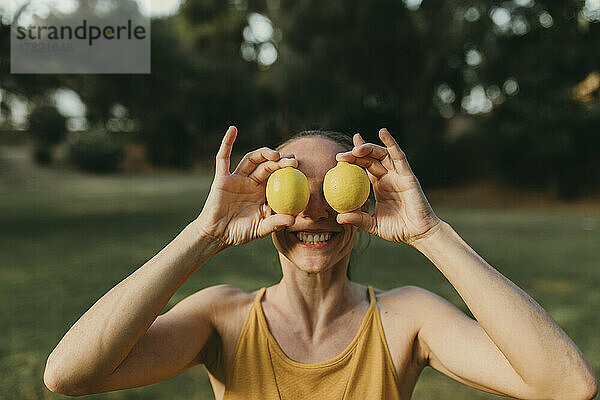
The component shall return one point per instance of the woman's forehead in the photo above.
(312, 145)
(315, 154)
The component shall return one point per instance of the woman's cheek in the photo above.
(281, 241)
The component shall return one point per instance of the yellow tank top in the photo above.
(261, 370)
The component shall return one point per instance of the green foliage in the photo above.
(95, 151)
(357, 67)
(169, 143)
(556, 151)
(543, 136)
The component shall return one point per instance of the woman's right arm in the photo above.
(121, 341)
(111, 346)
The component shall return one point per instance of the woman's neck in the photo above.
(315, 300)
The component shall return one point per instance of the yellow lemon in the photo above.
(288, 191)
(346, 187)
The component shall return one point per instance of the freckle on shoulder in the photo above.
(404, 296)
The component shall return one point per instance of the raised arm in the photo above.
(91, 352)
(514, 347)
(121, 341)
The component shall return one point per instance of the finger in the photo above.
(265, 169)
(398, 156)
(254, 158)
(372, 165)
(357, 139)
(371, 150)
(358, 218)
(375, 151)
(224, 153)
(275, 222)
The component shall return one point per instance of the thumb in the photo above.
(275, 223)
(360, 219)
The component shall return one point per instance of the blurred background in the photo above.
(496, 104)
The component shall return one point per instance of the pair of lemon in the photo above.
(346, 188)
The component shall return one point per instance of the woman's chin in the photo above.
(314, 266)
(310, 268)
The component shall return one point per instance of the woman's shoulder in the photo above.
(400, 291)
(228, 294)
(224, 299)
(228, 305)
(401, 297)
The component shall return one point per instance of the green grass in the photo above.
(66, 239)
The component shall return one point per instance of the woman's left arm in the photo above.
(514, 347)
(547, 361)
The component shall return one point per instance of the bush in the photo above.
(95, 151)
(47, 125)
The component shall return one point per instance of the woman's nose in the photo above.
(317, 208)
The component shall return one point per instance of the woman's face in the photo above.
(316, 242)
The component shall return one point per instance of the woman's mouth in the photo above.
(314, 239)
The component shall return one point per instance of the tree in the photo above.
(508, 68)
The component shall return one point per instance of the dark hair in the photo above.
(347, 144)
(338, 137)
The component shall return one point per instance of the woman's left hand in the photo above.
(402, 213)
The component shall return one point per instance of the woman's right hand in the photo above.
(235, 211)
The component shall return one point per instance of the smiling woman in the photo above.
(316, 333)
(345, 143)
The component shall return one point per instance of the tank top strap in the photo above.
(260, 294)
(372, 298)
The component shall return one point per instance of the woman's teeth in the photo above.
(313, 238)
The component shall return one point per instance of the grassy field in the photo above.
(67, 238)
